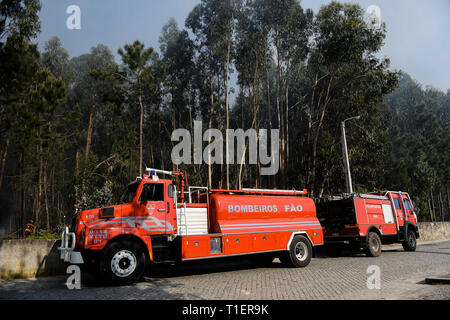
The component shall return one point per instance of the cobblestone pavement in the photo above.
(345, 277)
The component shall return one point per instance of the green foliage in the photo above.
(19, 19)
(418, 145)
(45, 235)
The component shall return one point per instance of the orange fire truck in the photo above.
(369, 220)
(163, 221)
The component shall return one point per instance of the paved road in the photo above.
(345, 277)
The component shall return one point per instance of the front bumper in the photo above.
(67, 253)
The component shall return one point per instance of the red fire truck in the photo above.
(162, 221)
(369, 220)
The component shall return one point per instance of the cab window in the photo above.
(407, 205)
(152, 192)
(171, 190)
(397, 204)
(129, 193)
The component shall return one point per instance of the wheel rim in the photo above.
(375, 245)
(301, 251)
(123, 263)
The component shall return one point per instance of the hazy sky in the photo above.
(417, 41)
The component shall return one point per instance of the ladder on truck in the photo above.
(192, 220)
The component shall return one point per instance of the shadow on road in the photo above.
(198, 267)
(226, 264)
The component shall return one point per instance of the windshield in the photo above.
(129, 193)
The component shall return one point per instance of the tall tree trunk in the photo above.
(433, 210)
(227, 126)
(22, 192)
(191, 123)
(90, 128)
(77, 161)
(39, 186)
(269, 115)
(448, 203)
(279, 112)
(287, 123)
(441, 206)
(241, 166)
(317, 133)
(161, 153)
(173, 113)
(52, 183)
(47, 213)
(3, 161)
(211, 112)
(309, 132)
(255, 111)
(141, 131)
(430, 209)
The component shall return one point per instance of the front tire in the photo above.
(122, 263)
(299, 254)
(410, 242)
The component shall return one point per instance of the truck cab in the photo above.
(145, 215)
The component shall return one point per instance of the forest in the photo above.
(74, 131)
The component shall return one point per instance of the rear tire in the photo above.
(373, 246)
(299, 254)
(122, 263)
(410, 242)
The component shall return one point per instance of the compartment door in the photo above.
(387, 213)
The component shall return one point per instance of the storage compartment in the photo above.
(334, 216)
(192, 221)
(215, 244)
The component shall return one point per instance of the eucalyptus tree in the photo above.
(143, 71)
(287, 29)
(346, 78)
(212, 23)
(177, 53)
(250, 57)
(56, 59)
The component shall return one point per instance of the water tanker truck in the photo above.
(162, 221)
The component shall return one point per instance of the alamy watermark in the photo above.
(374, 279)
(74, 280)
(256, 147)
(374, 17)
(74, 20)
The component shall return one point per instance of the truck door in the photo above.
(409, 210)
(400, 214)
(152, 214)
(171, 213)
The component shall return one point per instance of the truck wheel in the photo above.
(122, 263)
(410, 242)
(299, 254)
(373, 246)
